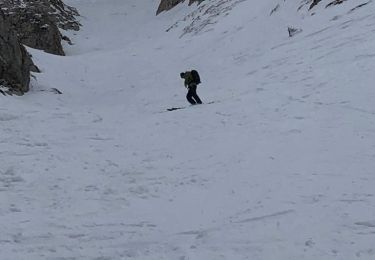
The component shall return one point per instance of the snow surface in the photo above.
(280, 167)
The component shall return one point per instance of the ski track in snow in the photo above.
(281, 168)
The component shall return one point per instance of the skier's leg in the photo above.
(195, 96)
(197, 99)
(189, 97)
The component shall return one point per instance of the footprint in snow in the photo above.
(370, 224)
(7, 117)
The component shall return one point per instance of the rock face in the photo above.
(166, 5)
(41, 34)
(15, 62)
(34, 23)
(314, 3)
(37, 22)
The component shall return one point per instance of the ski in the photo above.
(178, 108)
(175, 108)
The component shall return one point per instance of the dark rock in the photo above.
(37, 22)
(314, 3)
(274, 10)
(42, 33)
(34, 23)
(335, 2)
(166, 5)
(56, 91)
(15, 62)
(293, 31)
(358, 6)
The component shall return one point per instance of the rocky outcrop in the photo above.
(334, 2)
(166, 5)
(34, 23)
(314, 3)
(15, 62)
(42, 33)
(37, 22)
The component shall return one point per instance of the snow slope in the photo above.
(281, 166)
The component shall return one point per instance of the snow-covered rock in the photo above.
(15, 62)
(37, 22)
(166, 5)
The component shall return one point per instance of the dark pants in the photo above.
(192, 96)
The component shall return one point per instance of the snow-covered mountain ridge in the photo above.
(279, 167)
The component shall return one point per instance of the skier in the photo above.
(191, 81)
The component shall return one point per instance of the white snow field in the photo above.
(280, 167)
